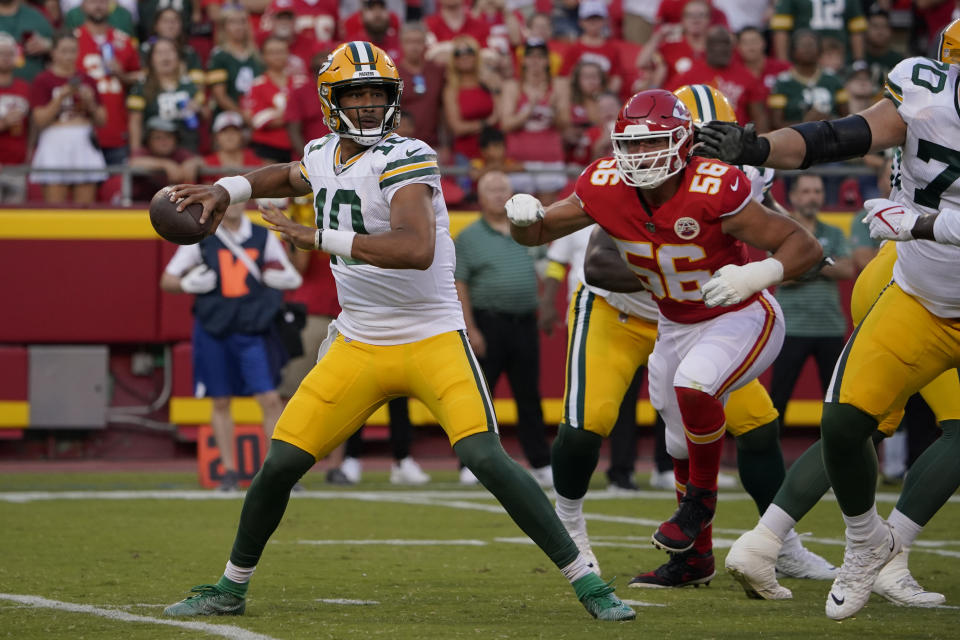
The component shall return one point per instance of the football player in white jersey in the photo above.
(382, 218)
(911, 335)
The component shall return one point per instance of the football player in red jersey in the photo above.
(681, 223)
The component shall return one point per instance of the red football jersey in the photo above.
(15, 98)
(113, 94)
(264, 103)
(675, 248)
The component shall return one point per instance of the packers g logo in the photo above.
(686, 228)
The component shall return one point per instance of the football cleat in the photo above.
(752, 561)
(208, 600)
(467, 478)
(694, 514)
(230, 481)
(861, 564)
(681, 570)
(407, 471)
(796, 561)
(599, 600)
(544, 476)
(577, 529)
(663, 480)
(895, 583)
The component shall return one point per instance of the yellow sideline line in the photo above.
(134, 224)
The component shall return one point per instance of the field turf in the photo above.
(98, 555)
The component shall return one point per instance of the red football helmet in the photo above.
(662, 124)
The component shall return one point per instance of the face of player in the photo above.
(169, 24)
(164, 58)
(806, 197)
(364, 105)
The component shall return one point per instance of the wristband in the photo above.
(760, 275)
(316, 239)
(338, 243)
(238, 187)
(946, 228)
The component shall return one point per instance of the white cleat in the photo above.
(352, 469)
(407, 471)
(861, 565)
(726, 481)
(544, 476)
(796, 561)
(663, 480)
(467, 478)
(578, 533)
(895, 583)
(752, 561)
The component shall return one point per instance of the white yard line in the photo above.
(346, 601)
(222, 630)
(400, 543)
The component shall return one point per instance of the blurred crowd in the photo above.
(528, 87)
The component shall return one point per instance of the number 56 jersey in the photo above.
(927, 95)
(674, 249)
(383, 306)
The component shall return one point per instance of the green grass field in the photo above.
(374, 561)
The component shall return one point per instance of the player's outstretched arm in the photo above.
(409, 244)
(531, 225)
(603, 266)
(272, 181)
(802, 145)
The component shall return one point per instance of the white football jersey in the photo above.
(572, 250)
(383, 306)
(925, 179)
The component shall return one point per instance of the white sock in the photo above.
(240, 575)
(907, 530)
(569, 509)
(577, 569)
(864, 528)
(778, 521)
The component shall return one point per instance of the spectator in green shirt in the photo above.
(234, 62)
(497, 283)
(118, 18)
(33, 34)
(816, 324)
(840, 20)
(805, 92)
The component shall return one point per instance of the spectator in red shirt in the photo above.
(540, 27)
(108, 56)
(671, 12)
(467, 104)
(746, 93)
(452, 19)
(14, 122)
(319, 19)
(166, 162)
(230, 146)
(65, 108)
(266, 103)
(751, 47)
(377, 24)
(587, 84)
(282, 24)
(423, 83)
(303, 115)
(679, 46)
(594, 45)
(506, 26)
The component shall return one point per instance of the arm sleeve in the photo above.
(409, 163)
(186, 258)
(736, 191)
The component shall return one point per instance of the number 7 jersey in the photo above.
(675, 248)
(927, 95)
(383, 306)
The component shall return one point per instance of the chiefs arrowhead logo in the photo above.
(686, 228)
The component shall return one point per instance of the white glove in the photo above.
(889, 220)
(523, 210)
(282, 278)
(199, 280)
(732, 284)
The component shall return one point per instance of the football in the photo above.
(181, 227)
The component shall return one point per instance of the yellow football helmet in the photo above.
(949, 47)
(358, 63)
(706, 103)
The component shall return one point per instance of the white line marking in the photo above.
(222, 630)
(346, 601)
(641, 603)
(401, 543)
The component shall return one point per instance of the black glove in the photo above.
(731, 143)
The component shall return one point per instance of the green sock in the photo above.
(849, 456)
(586, 584)
(760, 463)
(521, 496)
(933, 477)
(804, 484)
(236, 588)
(574, 457)
(266, 500)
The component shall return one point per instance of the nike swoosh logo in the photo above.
(893, 543)
(839, 601)
(412, 152)
(736, 183)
